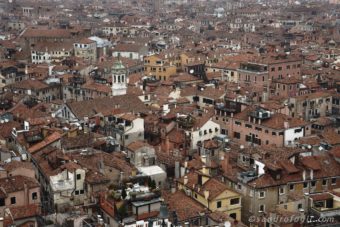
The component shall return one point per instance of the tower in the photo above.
(119, 79)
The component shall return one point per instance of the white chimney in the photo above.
(204, 159)
(185, 180)
(304, 175)
(311, 174)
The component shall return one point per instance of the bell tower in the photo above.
(119, 79)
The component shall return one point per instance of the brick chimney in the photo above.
(225, 165)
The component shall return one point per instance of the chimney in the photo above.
(311, 174)
(286, 124)
(173, 189)
(204, 159)
(185, 180)
(304, 175)
(177, 170)
(26, 194)
(167, 145)
(225, 165)
(50, 70)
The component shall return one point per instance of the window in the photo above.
(81, 191)
(239, 187)
(126, 137)
(300, 206)
(2, 202)
(76, 192)
(13, 200)
(195, 196)
(333, 180)
(274, 133)
(237, 135)
(34, 196)
(205, 132)
(282, 190)
(298, 130)
(262, 194)
(78, 176)
(261, 208)
(305, 184)
(248, 126)
(291, 187)
(238, 123)
(313, 183)
(219, 204)
(233, 215)
(280, 68)
(324, 182)
(234, 201)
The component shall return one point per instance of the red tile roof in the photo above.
(55, 136)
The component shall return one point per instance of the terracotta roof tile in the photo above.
(186, 209)
(28, 211)
(55, 136)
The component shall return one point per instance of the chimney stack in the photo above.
(185, 180)
(225, 165)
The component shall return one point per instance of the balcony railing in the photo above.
(325, 212)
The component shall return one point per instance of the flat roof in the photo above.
(151, 170)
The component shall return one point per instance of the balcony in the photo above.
(323, 212)
(324, 205)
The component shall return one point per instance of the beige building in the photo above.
(86, 49)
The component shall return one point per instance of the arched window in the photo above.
(114, 79)
(118, 79)
(123, 79)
